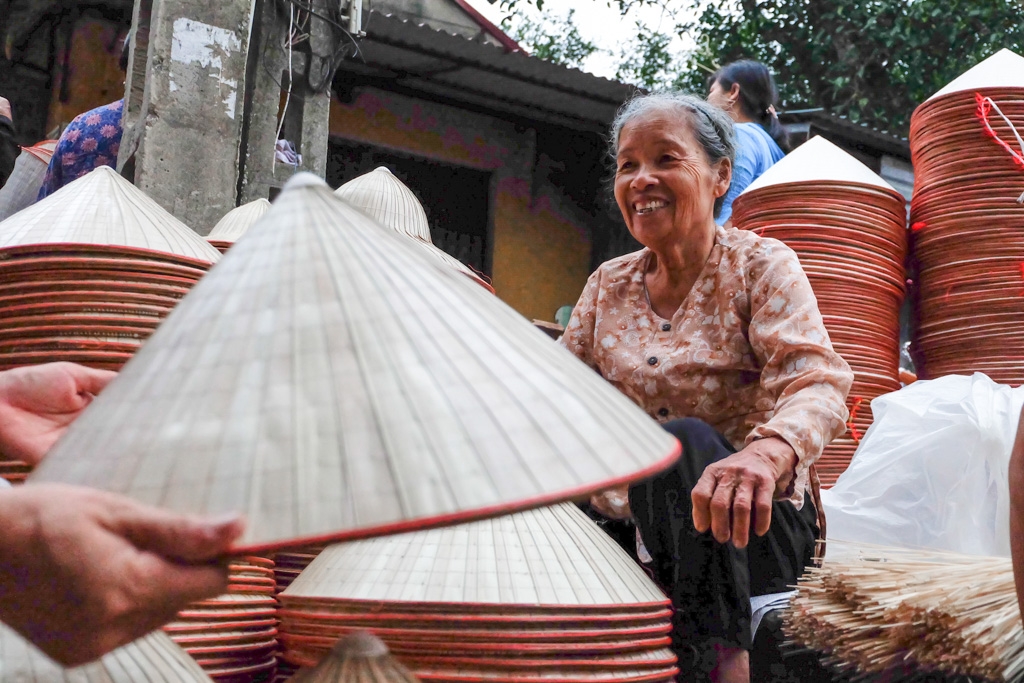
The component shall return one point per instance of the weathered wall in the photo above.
(540, 244)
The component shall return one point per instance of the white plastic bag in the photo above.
(932, 469)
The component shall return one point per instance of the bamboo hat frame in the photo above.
(331, 382)
(102, 208)
(153, 658)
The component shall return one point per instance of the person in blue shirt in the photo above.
(745, 90)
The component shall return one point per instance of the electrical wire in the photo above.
(288, 96)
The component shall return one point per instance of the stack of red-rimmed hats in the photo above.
(235, 222)
(848, 227)
(386, 199)
(290, 563)
(152, 658)
(967, 216)
(234, 636)
(535, 596)
(89, 272)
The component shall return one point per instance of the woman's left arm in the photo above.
(809, 382)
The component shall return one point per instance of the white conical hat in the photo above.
(385, 198)
(101, 207)
(553, 556)
(236, 221)
(331, 382)
(818, 160)
(1004, 69)
(153, 658)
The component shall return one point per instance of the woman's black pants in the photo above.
(711, 583)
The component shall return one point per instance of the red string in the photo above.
(918, 225)
(854, 432)
(984, 109)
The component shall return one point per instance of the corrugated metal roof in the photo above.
(398, 54)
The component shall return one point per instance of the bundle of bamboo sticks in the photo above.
(879, 610)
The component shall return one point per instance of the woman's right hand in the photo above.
(83, 572)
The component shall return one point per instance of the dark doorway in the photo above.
(455, 198)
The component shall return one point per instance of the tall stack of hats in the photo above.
(235, 223)
(328, 381)
(967, 219)
(89, 272)
(848, 228)
(233, 636)
(153, 658)
(386, 199)
(533, 596)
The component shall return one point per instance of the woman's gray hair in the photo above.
(711, 126)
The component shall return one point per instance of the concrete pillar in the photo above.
(184, 105)
(307, 118)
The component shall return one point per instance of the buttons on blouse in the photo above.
(663, 412)
(652, 360)
(665, 327)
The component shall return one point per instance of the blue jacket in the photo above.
(756, 152)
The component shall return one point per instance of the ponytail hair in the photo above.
(757, 95)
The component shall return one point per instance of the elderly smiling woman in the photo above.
(715, 333)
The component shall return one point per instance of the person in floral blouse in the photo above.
(716, 334)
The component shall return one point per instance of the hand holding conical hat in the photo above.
(237, 221)
(102, 208)
(386, 199)
(331, 382)
(153, 658)
(549, 557)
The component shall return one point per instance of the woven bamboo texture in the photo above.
(153, 658)
(331, 382)
(386, 199)
(554, 556)
(848, 228)
(102, 208)
(236, 222)
(967, 222)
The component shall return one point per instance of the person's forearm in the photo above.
(1016, 472)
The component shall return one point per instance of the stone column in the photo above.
(184, 108)
(307, 117)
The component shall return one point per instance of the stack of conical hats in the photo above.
(330, 382)
(967, 215)
(358, 657)
(89, 272)
(532, 596)
(382, 196)
(153, 658)
(848, 227)
(289, 564)
(26, 178)
(235, 222)
(233, 636)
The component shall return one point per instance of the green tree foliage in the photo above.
(555, 39)
(871, 60)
